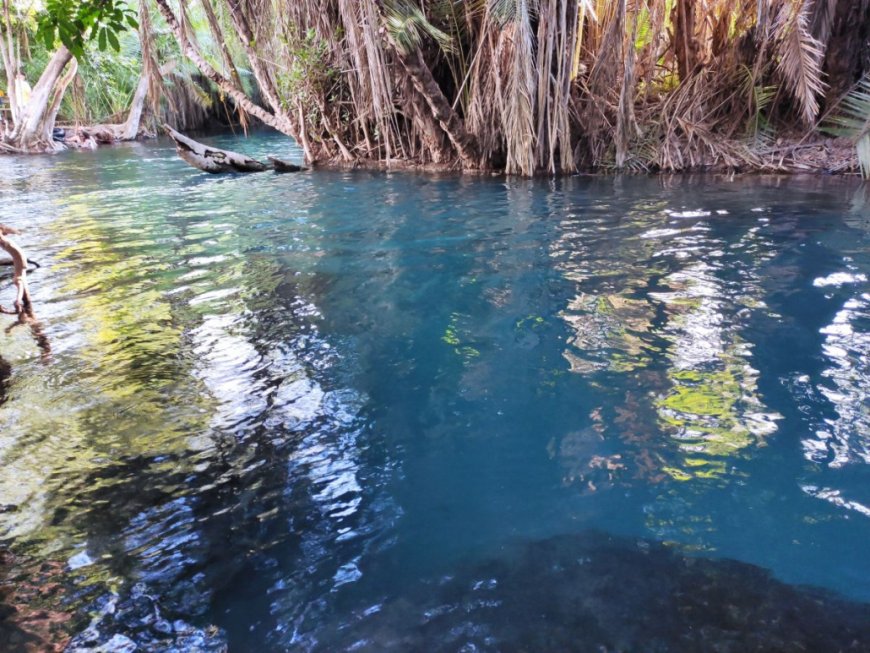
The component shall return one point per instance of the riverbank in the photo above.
(813, 154)
(816, 155)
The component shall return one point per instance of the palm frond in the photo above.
(521, 86)
(407, 24)
(800, 59)
(862, 149)
(853, 121)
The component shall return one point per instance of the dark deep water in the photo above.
(356, 411)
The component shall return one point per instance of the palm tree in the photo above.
(531, 86)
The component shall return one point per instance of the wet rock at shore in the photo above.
(139, 623)
(32, 619)
(593, 592)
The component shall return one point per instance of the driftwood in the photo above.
(285, 166)
(212, 159)
(19, 275)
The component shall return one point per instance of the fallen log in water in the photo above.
(285, 166)
(212, 159)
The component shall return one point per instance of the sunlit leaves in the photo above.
(75, 22)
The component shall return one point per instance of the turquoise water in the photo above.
(279, 412)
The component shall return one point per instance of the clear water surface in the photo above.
(269, 411)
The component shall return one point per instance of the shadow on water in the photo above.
(595, 592)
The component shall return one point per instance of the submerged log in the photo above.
(285, 166)
(212, 159)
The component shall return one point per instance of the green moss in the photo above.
(677, 474)
(450, 336)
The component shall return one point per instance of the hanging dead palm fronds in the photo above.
(625, 121)
(518, 122)
(408, 53)
(150, 66)
(557, 38)
(407, 26)
(537, 85)
(799, 59)
(823, 12)
(369, 79)
(230, 69)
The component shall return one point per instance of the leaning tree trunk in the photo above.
(32, 131)
(130, 129)
(421, 77)
(11, 64)
(432, 137)
(229, 66)
(50, 117)
(280, 121)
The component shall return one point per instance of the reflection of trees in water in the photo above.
(674, 293)
(712, 410)
(125, 346)
(32, 616)
(207, 440)
(22, 476)
(27, 317)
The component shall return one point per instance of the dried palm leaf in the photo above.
(521, 84)
(799, 59)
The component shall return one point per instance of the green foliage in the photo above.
(74, 22)
(310, 71)
(762, 97)
(108, 81)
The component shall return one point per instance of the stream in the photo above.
(401, 412)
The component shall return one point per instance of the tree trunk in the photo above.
(57, 98)
(847, 56)
(229, 66)
(425, 84)
(35, 123)
(10, 64)
(261, 73)
(686, 46)
(432, 136)
(130, 128)
(212, 159)
(280, 122)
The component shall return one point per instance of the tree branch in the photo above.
(281, 123)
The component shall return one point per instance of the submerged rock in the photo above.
(593, 592)
(137, 623)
